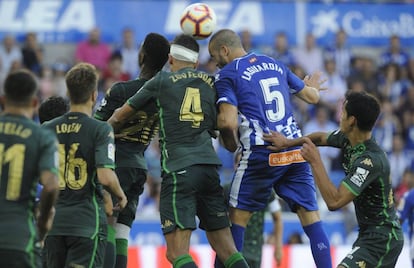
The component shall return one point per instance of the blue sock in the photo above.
(320, 246)
(237, 232)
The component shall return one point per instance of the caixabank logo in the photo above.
(368, 27)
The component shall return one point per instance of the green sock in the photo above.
(236, 261)
(110, 254)
(111, 234)
(184, 261)
(121, 253)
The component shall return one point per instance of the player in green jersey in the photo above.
(133, 140)
(185, 99)
(87, 155)
(27, 154)
(367, 182)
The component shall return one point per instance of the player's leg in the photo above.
(178, 248)
(132, 181)
(85, 252)
(212, 212)
(18, 259)
(55, 251)
(110, 250)
(177, 213)
(298, 190)
(250, 190)
(320, 246)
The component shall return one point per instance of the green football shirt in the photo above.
(25, 151)
(368, 177)
(138, 132)
(187, 113)
(84, 145)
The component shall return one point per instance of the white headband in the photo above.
(182, 53)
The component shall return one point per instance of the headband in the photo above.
(182, 53)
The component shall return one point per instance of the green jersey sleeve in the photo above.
(147, 92)
(113, 100)
(105, 147)
(363, 173)
(337, 139)
(49, 157)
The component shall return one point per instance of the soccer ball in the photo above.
(198, 20)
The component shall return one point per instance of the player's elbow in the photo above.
(106, 176)
(50, 182)
(223, 124)
(333, 206)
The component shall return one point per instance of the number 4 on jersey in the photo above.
(191, 107)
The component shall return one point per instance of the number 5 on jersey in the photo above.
(72, 171)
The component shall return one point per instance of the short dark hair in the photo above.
(20, 86)
(187, 41)
(364, 107)
(155, 49)
(52, 107)
(81, 82)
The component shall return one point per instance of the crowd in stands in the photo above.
(389, 77)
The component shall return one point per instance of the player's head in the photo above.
(82, 82)
(52, 107)
(184, 49)
(361, 110)
(20, 88)
(224, 46)
(154, 52)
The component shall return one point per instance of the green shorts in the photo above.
(132, 181)
(374, 250)
(20, 259)
(193, 191)
(73, 251)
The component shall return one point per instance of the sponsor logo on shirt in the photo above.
(367, 162)
(285, 158)
(359, 176)
(361, 264)
(111, 152)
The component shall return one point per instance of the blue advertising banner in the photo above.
(148, 232)
(58, 21)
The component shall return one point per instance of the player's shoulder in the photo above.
(118, 88)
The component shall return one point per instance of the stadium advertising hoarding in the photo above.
(69, 20)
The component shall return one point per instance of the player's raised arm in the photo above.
(227, 123)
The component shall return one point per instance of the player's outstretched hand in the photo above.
(309, 151)
(315, 80)
(278, 141)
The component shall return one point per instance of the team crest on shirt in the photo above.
(111, 152)
(367, 162)
(252, 60)
(359, 176)
(361, 264)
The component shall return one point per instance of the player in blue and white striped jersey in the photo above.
(258, 89)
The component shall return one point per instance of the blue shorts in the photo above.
(260, 170)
